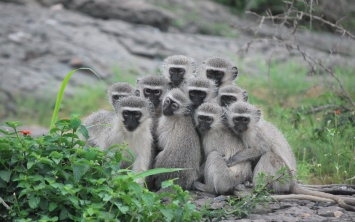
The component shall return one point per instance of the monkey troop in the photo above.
(195, 117)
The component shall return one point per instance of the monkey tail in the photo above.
(297, 189)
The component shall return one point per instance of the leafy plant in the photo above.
(242, 206)
(54, 178)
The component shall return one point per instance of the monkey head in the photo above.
(152, 87)
(220, 70)
(208, 116)
(119, 90)
(230, 94)
(132, 111)
(175, 103)
(200, 90)
(242, 116)
(178, 68)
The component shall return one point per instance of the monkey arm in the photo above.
(244, 155)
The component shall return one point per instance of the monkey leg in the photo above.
(269, 164)
(219, 179)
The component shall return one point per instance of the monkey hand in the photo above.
(233, 161)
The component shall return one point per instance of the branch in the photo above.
(4, 204)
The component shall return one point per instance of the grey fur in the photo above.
(220, 144)
(179, 61)
(224, 64)
(179, 143)
(264, 140)
(121, 89)
(232, 90)
(139, 141)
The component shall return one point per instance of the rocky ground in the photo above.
(291, 210)
(42, 40)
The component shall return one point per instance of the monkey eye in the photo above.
(172, 70)
(218, 73)
(147, 91)
(116, 97)
(201, 94)
(181, 71)
(209, 73)
(167, 101)
(174, 106)
(209, 119)
(245, 119)
(137, 115)
(157, 92)
(192, 93)
(125, 113)
(200, 118)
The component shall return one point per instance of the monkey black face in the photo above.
(176, 75)
(197, 97)
(204, 123)
(215, 75)
(240, 124)
(153, 95)
(131, 119)
(169, 107)
(226, 100)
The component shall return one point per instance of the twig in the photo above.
(4, 204)
(320, 108)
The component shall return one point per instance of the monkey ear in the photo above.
(137, 92)
(234, 72)
(245, 96)
(258, 114)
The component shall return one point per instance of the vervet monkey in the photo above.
(220, 70)
(219, 144)
(119, 90)
(263, 140)
(131, 124)
(153, 87)
(177, 69)
(231, 93)
(200, 90)
(178, 141)
(99, 120)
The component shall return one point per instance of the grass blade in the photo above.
(61, 93)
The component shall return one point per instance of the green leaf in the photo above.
(75, 123)
(123, 209)
(5, 175)
(34, 201)
(156, 171)
(168, 214)
(167, 183)
(56, 156)
(79, 169)
(148, 198)
(63, 214)
(30, 163)
(12, 124)
(90, 211)
(83, 131)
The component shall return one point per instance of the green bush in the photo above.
(54, 178)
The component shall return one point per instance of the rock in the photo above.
(330, 211)
(137, 12)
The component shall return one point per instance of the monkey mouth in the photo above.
(238, 131)
(130, 128)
